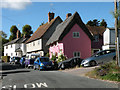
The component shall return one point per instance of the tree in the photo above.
(26, 30)
(103, 23)
(95, 22)
(90, 23)
(3, 40)
(13, 31)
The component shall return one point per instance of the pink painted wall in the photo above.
(70, 44)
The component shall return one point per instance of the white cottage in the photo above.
(109, 38)
(16, 47)
(37, 42)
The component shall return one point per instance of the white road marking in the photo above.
(31, 85)
(41, 84)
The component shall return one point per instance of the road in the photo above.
(28, 78)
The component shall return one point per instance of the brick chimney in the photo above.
(18, 34)
(50, 16)
(69, 14)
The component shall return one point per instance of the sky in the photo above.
(34, 13)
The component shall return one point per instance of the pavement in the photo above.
(29, 78)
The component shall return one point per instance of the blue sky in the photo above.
(35, 13)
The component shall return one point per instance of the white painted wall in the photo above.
(37, 46)
(106, 37)
(11, 50)
(109, 39)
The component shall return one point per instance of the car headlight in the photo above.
(15, 60)
(41, 64)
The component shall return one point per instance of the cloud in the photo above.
(15, 4)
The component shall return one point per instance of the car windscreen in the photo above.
(44, 59)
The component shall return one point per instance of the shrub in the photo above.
(108, 71)
(53, 57)
(47, 55)
(6, 58)
(61, 58)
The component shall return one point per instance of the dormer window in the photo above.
(76, 34)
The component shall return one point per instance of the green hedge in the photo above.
(6, 58)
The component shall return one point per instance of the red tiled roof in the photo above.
(40, 31)
(96, 29)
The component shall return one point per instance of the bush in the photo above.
(47, 55)
(53, 57)
(108, 71)
(6, 58)
(61, 58)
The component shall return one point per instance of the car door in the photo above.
(100, 57)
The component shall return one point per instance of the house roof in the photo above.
(17, 40)
(96, 29)
(41, 30)
(63, 28)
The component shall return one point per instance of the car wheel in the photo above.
(38, 67)
(34, 67)
(92, 63)
(63, 67)
(13, 63)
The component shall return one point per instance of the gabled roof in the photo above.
(17, 40)
(63, 28)
(41, 30)
(96, 29)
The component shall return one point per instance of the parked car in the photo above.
(100, 57)
(43, 63)
(15, 60)
(29, 61)
(70, 63)
(22, 62)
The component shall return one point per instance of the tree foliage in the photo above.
(96, 22)
(13, 31)
(26, 30)
(103, 23)
(3, 40)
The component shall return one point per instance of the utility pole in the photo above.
(116, 34)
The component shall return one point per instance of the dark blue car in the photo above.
(42, 63)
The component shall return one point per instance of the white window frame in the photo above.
(34, 43)
(75, 34)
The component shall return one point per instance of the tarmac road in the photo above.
(28, 78)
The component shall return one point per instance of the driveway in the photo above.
(79, 71)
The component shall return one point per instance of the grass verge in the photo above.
(109, 71)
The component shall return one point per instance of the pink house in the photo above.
(71, 38)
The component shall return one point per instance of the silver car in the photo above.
(100, 57)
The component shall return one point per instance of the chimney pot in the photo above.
(69, 14)
(50, 16)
